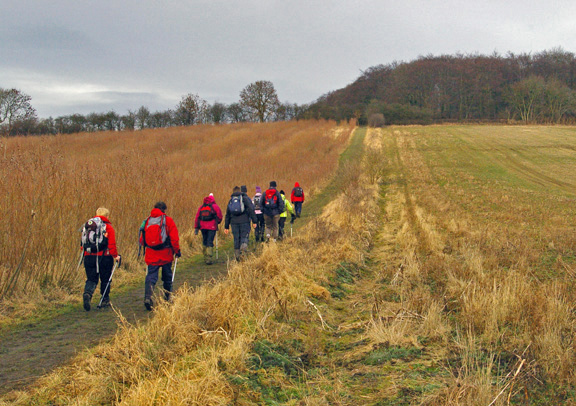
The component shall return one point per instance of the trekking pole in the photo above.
(80, 261)
(216, 245)
(116, 265)
(174, 272)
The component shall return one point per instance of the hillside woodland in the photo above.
(447, 88)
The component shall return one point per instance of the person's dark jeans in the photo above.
(260, 225)
(241, 233)
(298, 208)
(208, 237)
(102, 272)
(152, 278)
(281, 223)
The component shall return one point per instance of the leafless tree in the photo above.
(260, 100)
(14, 106)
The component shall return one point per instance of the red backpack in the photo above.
(271, 199)
(154, 234)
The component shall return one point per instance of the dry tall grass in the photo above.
(189, 351)
(50, 185)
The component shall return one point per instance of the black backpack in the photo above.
(298, 192)
(207, 213)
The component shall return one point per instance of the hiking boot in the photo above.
(148, 303)
(208, 256)
(167, 296)
(237, 255)
(86, 298)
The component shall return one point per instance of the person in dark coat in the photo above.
(239, 213)
(272, 206)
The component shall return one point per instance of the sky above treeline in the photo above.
(76, 56)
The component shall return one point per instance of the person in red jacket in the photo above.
(207, 219)
(297, 198)
(159, 257)
(98, 265)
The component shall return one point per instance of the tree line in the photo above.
(258, 103)
(538, 88)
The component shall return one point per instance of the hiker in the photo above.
(207, 219)
(244, 191)
(259, 231)
(297, 198)
(288, 208)
(159, 236)
(238, 215)
(272, 205)
(100, 252)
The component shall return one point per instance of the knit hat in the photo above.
(273, 183)
(282, 192)
(258, 189)
(243, 189)
(211, 194)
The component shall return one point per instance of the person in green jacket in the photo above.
(288, 208)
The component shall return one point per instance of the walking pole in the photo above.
(174, 272)
(81, 259)
(116, 265)
(216, 244)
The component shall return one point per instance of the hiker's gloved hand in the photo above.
(178, 254)
(196, 231)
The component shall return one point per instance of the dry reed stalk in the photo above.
(64, 178)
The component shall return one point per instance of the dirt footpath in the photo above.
(32, 350)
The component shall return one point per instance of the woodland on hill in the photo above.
(533, 88)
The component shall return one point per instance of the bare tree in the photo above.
(191, 110)
(142, 117)
(260, 100)
(217, 113)
(14, 106)
(236, 113)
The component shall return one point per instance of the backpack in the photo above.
(94, 236)
(256, 201)
(271, 199)
(236, 205)
(154, 234)
(298, 192)
(207, 213)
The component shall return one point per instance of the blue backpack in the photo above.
(236, 205)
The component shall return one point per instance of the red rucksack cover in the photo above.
(271, 199)
(155, 235)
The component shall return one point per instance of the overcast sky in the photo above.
(82, 56)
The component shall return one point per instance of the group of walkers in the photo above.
(266, 212)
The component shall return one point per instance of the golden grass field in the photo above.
(49, 186)
(441, 272)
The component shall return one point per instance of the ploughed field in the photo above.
(435, 265)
